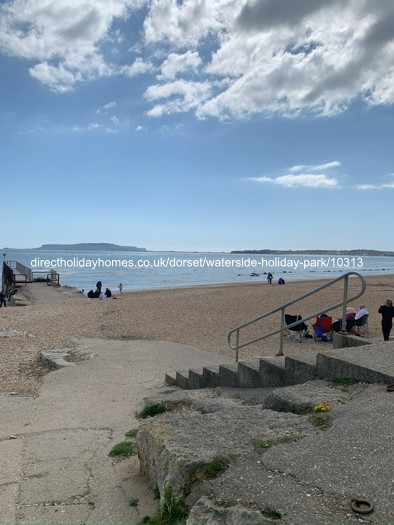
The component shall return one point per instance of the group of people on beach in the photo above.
(270, 278)
(354, 320)
(98, 293)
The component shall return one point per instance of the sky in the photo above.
(197, 125)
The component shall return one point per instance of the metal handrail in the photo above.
(282, 309)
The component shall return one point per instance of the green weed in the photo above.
(152, 410)
(172, 511)
(123, 449)
(262, 445)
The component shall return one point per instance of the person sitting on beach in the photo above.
(108, 293)
(361, 312)
(281, 280)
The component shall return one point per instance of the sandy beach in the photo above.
(199, 316)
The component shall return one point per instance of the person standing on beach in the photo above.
(2, 299)
(387, 311)
(270, 277)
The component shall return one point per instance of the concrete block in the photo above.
(368, 364)
(211, 376)
(182, 379)
(229, 375)
(272, 371)
(170, 378)
(347, 340)
(249, 374)
(196, 379)
(300, 369)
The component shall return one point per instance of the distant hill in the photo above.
(347, 253)
(91, 246)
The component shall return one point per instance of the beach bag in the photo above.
(318, 331)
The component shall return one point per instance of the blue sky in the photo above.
(196, 124)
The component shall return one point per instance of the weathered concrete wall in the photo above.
(348, 341)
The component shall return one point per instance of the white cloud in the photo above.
(317, 167)
(176, 63)
(303, 180)
(184, 23)
(138, 67)
(387, 185)
(179, 96)
(110, 105)
(251, 56)
(61, 38)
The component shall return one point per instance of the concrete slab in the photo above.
(8, 503)
(11, 461)
(66, 476)
(55, 515)
(371, 363)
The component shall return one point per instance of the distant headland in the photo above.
(87, 246)
(346, 253)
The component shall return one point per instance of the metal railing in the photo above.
(282, 309)
(22, 273)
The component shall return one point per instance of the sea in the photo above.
(156, 270)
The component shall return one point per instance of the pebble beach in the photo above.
(199, 316)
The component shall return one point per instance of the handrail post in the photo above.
(236, 346)
(344, 305)
(282, 326)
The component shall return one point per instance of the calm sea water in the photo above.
(154, 270)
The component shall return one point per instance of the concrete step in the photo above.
(370, 364)
(300, 369)
(272, 371)
(211, 376)
(249, 374)
(182, 379)
(229, 375)
(170, 378)
(196, 379)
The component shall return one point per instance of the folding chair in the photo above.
(322, 328)
(361, 324)
(295, 332)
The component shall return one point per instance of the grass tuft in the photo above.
(344, 381)
(123, 449)
(172, 511)
(321, 420)
(132, 433)
(262, 445)
(133, 502)
(213, 469)
(152, 410)
(271, 514)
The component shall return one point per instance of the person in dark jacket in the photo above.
(387, 311)
(2, 299)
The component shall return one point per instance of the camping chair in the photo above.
(295, 332)
(361, 324)
(322, 329)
